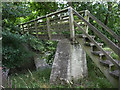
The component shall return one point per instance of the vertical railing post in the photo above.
(19, 27)
(28, 29)
(71, 23)
(48, 27)
(119, 80)
(23, 29)
(36, 29)
(87, 19)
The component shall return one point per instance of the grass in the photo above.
(40, 79)
(113, 55)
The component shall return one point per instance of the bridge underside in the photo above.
(55, 37)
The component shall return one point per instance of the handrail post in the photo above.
(71, 23)
(87, 19)
(48, 27)
(36, 29)
(119, 80)
(23, 29)
(19, 27)
(28, 29)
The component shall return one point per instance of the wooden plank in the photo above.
(36, 29)
(53, 19)
(100, 48)
(48, 28)
(112, 45)
(119, 79)
(34, 20)
(28, 28)
(63, 10)
(105, 27)
(96, 60)
(59, 20)
(87, 19)
(71, 19)
(23, 29)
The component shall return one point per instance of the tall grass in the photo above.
(40, 79)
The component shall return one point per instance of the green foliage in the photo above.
(14, 50)
(11, 13)
(95, 76)
(113, 54)
(46, 47)
(50, 51)
(40, 79)
(106, 12)
(41, 8)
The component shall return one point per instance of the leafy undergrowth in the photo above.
(40, 79)
(113, 55)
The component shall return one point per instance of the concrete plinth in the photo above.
(69, 63)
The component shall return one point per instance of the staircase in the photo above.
(65, 24)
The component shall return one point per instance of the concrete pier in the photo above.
(69, 63)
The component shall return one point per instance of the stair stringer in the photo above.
(96, 60)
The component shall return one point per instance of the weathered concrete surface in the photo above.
(77, 66)
(59, 67)
(40, 63)
(69, 63)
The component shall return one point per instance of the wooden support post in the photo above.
(19, 29)
(23, 29)
(119, 79)
(36, 29)
(28, 29)
(71, 23)
(48, 28)
(87, 19)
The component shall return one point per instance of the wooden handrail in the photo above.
(113, 46)
(63, 10)
(100, 48)
(33, 20)
(54, 13)
(48, 15)
(105, 27)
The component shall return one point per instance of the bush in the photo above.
(14, 52)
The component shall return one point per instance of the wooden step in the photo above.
(97, 53)
(113, 70)
(92, 44)
(96, 60)
(117, 61)
(115, 73)
(84, 36)
(100, 53)
(106, 63)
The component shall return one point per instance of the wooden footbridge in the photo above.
(68, 23)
